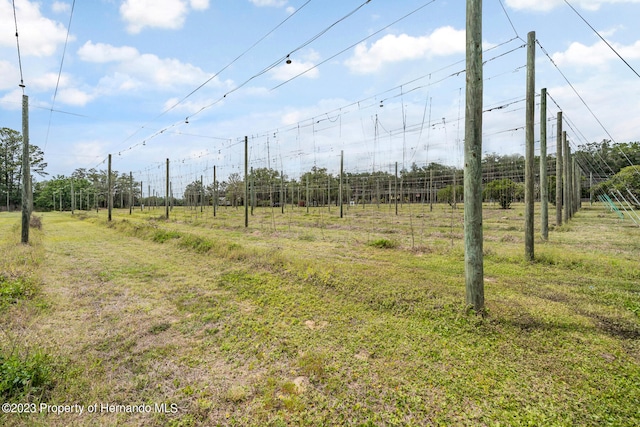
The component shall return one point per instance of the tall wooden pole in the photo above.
(26, 170)
(565, 177)
(395, 188)
(529, 149)
(73, 198)
(431, 190)
(544, 179)
(246, 182)
(559, 166)
(473, 239)
(166, 198)
(109, 190)
(215, 192)
(141, 203)
(307, 196)
(340, 184)
(130, 192)
(281, 191)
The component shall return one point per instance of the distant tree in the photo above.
(504, 191)
(11, 165)
(626, 181)
(446, 194)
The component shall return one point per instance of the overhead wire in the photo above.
(15, 20)
(55, 92)
(603, 39)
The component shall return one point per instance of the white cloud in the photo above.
(9, 75)
(60, 7)
(39, 36)
(547, 5)
(391, 48)
(290, 10)
(101, 53)
(75, 97)
(199, 4)
(598, 54)
(166, 14)
(134, 69)
(271, 3)
(48, 81)
(12, 100)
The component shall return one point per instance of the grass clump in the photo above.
(196, 243)
(383, 244)
(13, 290)
(161, 236)
(21, 377)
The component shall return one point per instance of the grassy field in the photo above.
(310, 319)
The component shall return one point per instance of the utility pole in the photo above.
(73, 198)
(544, 179)
(109, 191)
(246, 182)
(529, 150)
(340, 184)
(395, 188)
(215, 193)
(473, 239)
(566, 199)
(26, 171)
(559, 172)
(166, 199)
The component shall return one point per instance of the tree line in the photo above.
(503, 179)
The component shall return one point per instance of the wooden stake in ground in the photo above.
(473, 256)
(559, 165)
(529, 150)
(109, 190)
(544, 180)
(340, 184)
(26, 170)
(565, 177)
(246, 181)
(215, 193)
(166, 199)
(130, 193)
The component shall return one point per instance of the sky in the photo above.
(382, 81)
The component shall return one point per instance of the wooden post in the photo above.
(253, 190)
(109, 190)
(559, 172)
(565, 177)
(215, 191)
(590, 188)
(166, 198)
(473, 239)
(529, 149)
(395, 188)
(307, 197)
(576, 187)
(73, 198)
(141, 204)
(26, 171)
(340, 184)
(246, 182)
(201, 194)
(544, 179)
(281, 191)
(431, 190)
(130, 192)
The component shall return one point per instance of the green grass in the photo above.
(309, 319)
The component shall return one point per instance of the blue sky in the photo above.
(381, 93)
